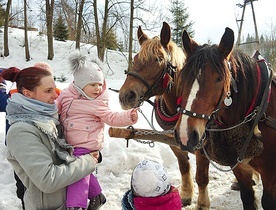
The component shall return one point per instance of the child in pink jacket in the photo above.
(84, 110)
(151, 189)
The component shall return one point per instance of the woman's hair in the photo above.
(28, 78)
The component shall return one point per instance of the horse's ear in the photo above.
(165, 34)
(141, 36)
(227, 42)
(189, 44)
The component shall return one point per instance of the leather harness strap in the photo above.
(271, 122)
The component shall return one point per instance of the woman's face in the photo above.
(45, 92)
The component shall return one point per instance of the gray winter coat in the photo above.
(42, 172)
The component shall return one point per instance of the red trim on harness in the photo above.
(163, 117)
(253, 103)
(166, 79)
(179, 101)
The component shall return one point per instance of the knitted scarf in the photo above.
(42, 115)
(127, 201)
(82, 92)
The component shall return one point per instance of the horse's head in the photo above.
(153, 68)
(203, 84)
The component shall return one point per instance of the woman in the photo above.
(4, 95)
(41, 159)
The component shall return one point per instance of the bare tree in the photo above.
(6, 29)
(69, 13)
(49, 23)
(79, 25)
(130, 33)
(26, 42)
(100, 36)
(110, 17)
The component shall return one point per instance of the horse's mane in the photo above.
(152, 49)
(196, 62)
(245, 74)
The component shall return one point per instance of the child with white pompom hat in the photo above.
(151, 189)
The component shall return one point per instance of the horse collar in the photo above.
(159, 101)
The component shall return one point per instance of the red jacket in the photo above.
(169, 201)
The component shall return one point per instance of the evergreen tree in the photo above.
(111, 40)
(60, 30)
(179, 21)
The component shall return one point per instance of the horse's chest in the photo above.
(224, 147)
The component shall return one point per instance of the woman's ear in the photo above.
(27, 93)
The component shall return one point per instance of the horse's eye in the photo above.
(219, 79)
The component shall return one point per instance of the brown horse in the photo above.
(228, 112)
(154, 71)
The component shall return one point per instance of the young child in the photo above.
(84, 110)
(151, 189)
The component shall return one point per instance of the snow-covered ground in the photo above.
(118, 161)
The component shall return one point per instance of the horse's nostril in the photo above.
(193, 141)
(131, 96)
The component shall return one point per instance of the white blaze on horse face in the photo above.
(183, 129)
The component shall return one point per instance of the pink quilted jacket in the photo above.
(83, 120)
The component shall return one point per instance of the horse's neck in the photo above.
(170, 98)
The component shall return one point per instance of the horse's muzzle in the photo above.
(191, 143)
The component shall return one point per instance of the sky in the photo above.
(115, 171)
(213, 16)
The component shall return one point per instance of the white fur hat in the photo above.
(85, 72)
(150, 179)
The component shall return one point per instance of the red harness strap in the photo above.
(161, 113)
(254, 100)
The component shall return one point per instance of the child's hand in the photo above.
(95, 155)
(134, 115)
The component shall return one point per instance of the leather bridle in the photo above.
(169, 69)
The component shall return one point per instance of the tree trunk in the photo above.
(79, 26)
(6, 29)
(49, 23)
(130, 34)
(102, 42)
(97, 27)
(101, 38)
(27, 52)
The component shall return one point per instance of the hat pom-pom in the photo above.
(77, 61)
